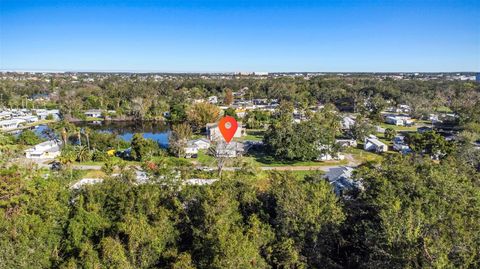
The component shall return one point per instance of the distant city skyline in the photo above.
(232, 36)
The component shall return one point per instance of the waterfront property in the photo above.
(7, 125)
(201, 143)
(45, 150)
(230, 150)
(214, 134)
(93, 113)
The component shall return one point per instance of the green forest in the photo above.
(413, 213)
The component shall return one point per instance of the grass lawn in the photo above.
(14, 147)
(28, 125)
(93, 119)
(364, 156)
(40, 122)
(205, 159)
(94, 174)
(399, 128)
(381, 137)
(252, 135)
(443, 109)
(264, 160)
(89, 163)
(116, 159)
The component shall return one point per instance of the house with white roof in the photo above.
(326, 154)
(398, 120)
(5, 115)
(85, 181)
(44, 113)
(201, 143)
(29, 118)
(346, 142)
(93, 113)
(200, 181)
(347, 122)
(230, 150)
(6, 125)
(212, 99)
(193, 146)
(373, 144)
(190, 150)
(45, 150)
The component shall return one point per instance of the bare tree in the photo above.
(219, 151)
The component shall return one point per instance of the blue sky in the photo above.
(216, 36)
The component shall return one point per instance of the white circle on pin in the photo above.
(228, 125)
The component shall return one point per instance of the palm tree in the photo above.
(86, 132)
(67, 157)
(64, 135)
(63, 128)
(79, 135)
(82, 153)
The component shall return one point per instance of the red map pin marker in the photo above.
(228, 126)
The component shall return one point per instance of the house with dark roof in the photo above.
(340, 178)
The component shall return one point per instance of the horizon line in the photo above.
(215, 72)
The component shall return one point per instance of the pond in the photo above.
(125, 130)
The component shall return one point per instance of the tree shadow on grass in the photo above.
(262, 157)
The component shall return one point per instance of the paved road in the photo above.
(86, 167)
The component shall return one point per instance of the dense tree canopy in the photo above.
(287, 140)
(412, 213)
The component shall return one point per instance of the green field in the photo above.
(364, 156)
(399, 128)
(252, 135)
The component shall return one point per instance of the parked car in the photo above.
(56, 166)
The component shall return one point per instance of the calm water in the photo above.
(125, 130)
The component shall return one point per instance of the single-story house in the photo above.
(212, 99)
(29, 118)
(200, 181)
(5, 115)
(373, 144)
(85, 181)
(11, 124)
(379, 129)
(394, 120)
(346, 142)
(190, 150)
(45, 150)
(326, 154)
(330, 157)
(340, 178)
(230, 150)
(347, 123)
(399, 120)
(44, 113)
(93, 113)
(403, 108)
(400, 145)
(214, 134)
(201, 143)
(423, 129)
